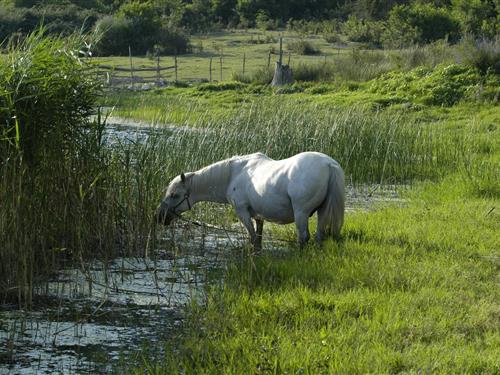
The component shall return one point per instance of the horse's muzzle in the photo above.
(164, 216)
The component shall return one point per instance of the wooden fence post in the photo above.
(281, 50)
(158, 74)
(131, 66)
(244, 58)
(210, 69)
(175, 67)
(269, 59)
(289, 57)
(221, 54)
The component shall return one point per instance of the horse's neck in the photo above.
(210, 183)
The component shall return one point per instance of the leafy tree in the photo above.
(419, 23)
(478, 17)
(197, 16)
(366, 31)
(224, 11)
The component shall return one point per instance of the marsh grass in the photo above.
(381, 147)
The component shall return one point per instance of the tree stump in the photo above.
(282, 75)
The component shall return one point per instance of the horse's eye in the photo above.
(175, 196)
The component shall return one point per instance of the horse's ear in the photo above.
(183, 178)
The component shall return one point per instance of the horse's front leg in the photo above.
(246, 219)
(259, 223)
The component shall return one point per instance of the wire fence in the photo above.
(165, 70)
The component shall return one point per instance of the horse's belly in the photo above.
(280, 212)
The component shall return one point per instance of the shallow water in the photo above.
(94, 318)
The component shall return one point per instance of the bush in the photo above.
(479, 18)
(223, 86)
(263, 22)
(114, 36)
(261, 76)
(484, 54)
(10, 21)
(429, 55)
(363, 31)
(312, 72)
(419, 24)
(445, 85)
(47, 94)
(303, 47)
(118, 33)
(332, 38)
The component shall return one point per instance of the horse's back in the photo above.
(276, 188)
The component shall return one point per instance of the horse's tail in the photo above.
(334, 203)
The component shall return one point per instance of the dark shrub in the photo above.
(312, 72)
(11, 20)
(364, 31)
(114, 36)
(261, 76)
(419, 23)
(303, 47)
(484, 54)
(118, 33)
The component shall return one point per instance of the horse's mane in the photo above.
(217, 175)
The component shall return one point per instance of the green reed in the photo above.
(371, 147)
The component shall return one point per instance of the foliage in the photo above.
(313, 72)
(114, 36)
(484, 54)
(139, 26)
(262, 76)
(366, 31)
(419, 23)
(393, 24)
(49, 156)
(264, 22)
(48, 92)
(57, 19)
(445, 85)
(480, 18)
(303, 47)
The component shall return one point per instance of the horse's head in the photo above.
(176, 200)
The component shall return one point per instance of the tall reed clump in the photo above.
(371, 147)
(59, 193)
(49, 156)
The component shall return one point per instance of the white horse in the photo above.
(260, 188)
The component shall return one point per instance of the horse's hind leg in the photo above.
(321, 228)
